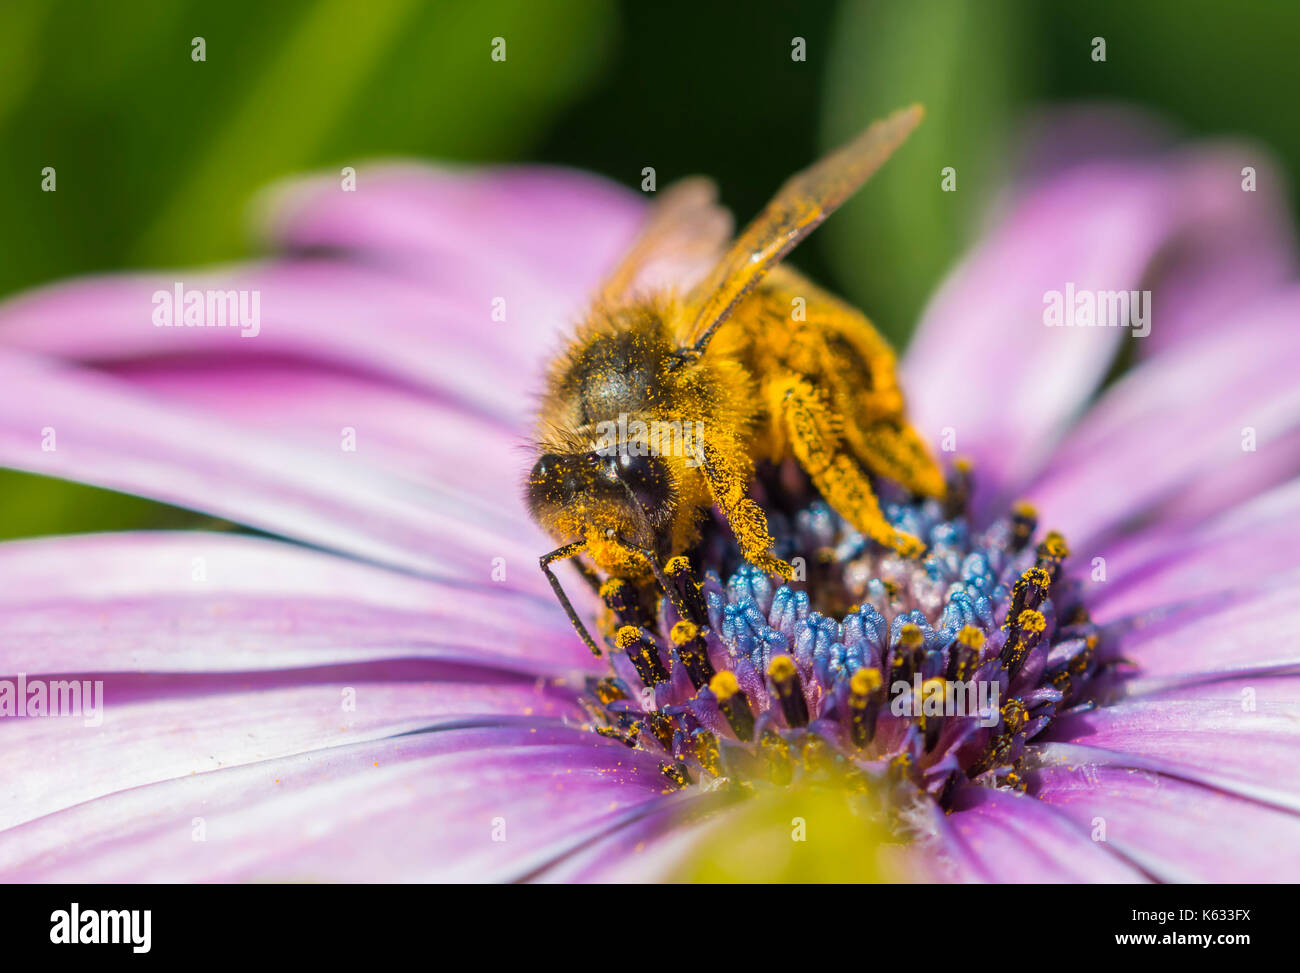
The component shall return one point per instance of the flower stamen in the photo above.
(879, 673)
(789, 690)
(734, 704)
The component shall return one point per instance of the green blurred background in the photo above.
(158, 156)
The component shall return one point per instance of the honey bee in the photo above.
(754, 363)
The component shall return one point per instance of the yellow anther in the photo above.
(911, 637)
(677, 564)
(1037, 577)
(683, 632)
(611, 587)
(865, 682)
(1031, 621)
(782, 669)
(1024, 510)
(970, 637)
(627, 636)
(932, 686)
(1054, 545)
(724, 685)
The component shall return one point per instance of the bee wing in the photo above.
(684, 236)
(806, 199)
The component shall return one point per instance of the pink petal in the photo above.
(1238, 245)
(347, 316)
(1221, 635)
(1203, 734)
(131, 602)
(557, 231)
(421, 807)
(1002, 836)
(392, 429)
(429, 252)
(157, 729)
(653, 847)
(1223, 488)
(1174, 830)
(111, 436)
(1174, 419)
(984, 364)
(1253, 547)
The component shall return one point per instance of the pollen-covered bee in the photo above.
(663, 402)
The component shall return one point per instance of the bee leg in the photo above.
(817, 445)
(877, 404)
(560, 554)
(892, 448)
(730, 490)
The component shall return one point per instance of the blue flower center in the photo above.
(869, 669)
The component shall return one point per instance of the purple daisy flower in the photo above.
(374, 682)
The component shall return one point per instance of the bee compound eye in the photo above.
(632, 467)
(553, 480)
(647, 477)
(542, 468)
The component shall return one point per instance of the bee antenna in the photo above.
(640, 509)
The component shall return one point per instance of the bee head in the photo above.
(619, 488)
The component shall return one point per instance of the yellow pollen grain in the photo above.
(781, 668)
(683, 632)
(935, 687)
(1032, 621)
(724, 685)
(865, 682)
(1037, 577)
(1055, 544)
(611, 587)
